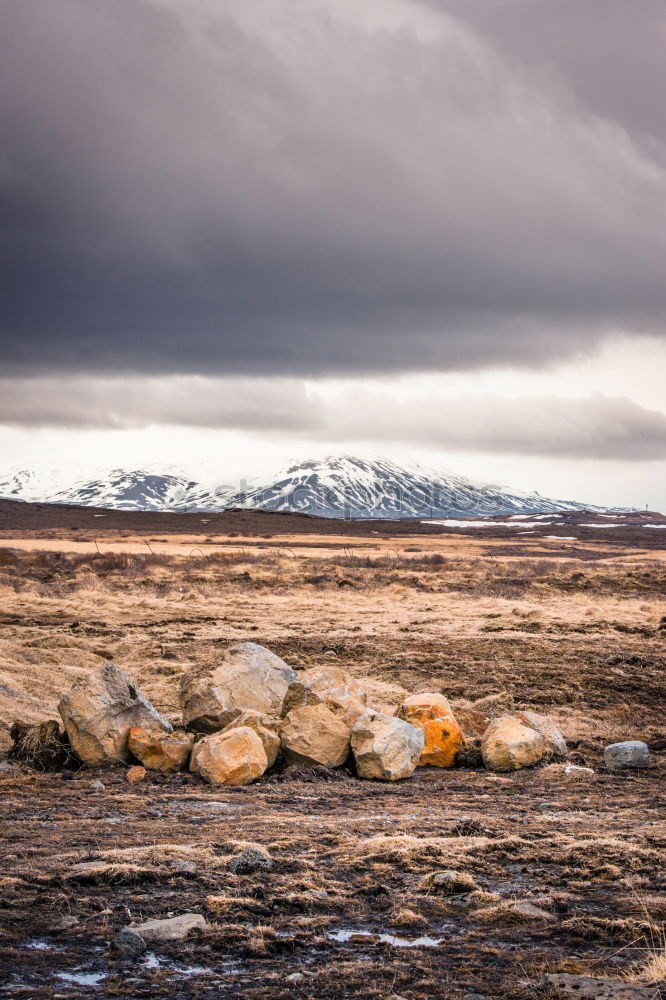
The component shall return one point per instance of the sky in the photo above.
(237, 234)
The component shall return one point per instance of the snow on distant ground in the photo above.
(450, 522)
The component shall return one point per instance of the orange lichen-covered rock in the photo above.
(168, 752)
(135, 774)
(442, 734)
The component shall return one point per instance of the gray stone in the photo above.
(251, 859)
(97, 786)
(629, 753)
(183, 867)
(385, 748)
(129, 942)
(171, 929)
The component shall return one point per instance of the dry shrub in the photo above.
(42, 747)
(627, 929)
(404, 917)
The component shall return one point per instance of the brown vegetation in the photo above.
(582, 639)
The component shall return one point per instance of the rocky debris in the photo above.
(129, 942)
(509, 744)
(99, 712)
(385, 748)
(252, 858)
(181, 866)
(43, 747)
(248, 676)
(158, 751)
(97, 786)
(170, 929)
(340, 692)
(235, 757)
(451, 883)
(555, 743)
(265, 726)
(443, 736)
(629, 753)
(315, 735)
(135, 774)
(586, 988)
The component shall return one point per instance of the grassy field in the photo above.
(575, 632)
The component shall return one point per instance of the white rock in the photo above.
(385, 748)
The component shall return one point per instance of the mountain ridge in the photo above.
(337, 486)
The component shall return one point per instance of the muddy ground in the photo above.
(347, 908)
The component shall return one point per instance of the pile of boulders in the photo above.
(242, 713)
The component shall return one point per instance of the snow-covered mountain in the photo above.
(342, 486)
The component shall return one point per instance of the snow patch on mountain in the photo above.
(340, 486)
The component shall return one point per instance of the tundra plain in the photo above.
(575, 631)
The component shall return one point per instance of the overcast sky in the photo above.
(240, 232)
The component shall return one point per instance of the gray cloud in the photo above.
(610, 57)
(289, 186)
(595, 426)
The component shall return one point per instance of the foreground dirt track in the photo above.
(345, 906)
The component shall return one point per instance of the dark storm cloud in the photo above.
(595, 426)
(291, 186)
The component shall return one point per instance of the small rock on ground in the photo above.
(628, 753)
(129, 942)
(251, 859)
(171, 929)
(135, 774)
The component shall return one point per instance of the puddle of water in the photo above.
(82, 978)
(42, 944)
(153, 961)
(425, 941)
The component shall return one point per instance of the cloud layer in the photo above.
(595, 426)
(314, 187)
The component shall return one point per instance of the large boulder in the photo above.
(330, 686)
(554, 741)
(315, 735)
(443, 736)
(236, 757)
(248, 676)
(265, 726)
(167, 752)
(508, 744)
(99, 712)
(386, 748)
